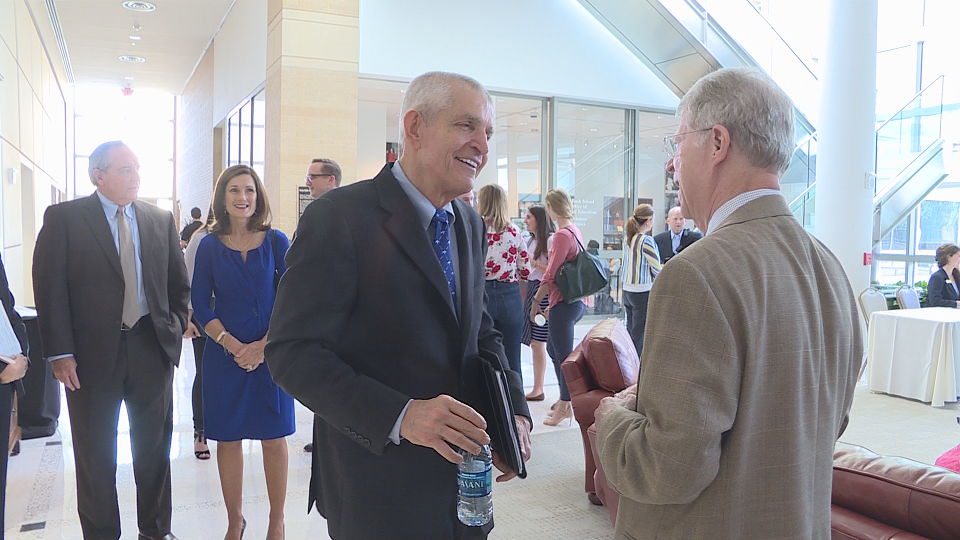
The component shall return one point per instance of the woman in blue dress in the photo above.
(237, 263)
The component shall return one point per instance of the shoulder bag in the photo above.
(581, 276)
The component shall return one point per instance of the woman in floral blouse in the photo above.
(507, 263)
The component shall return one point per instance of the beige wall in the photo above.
(33, 139)
(197, 164)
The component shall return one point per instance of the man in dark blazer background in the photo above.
(111, 320)
(675, 239)
(378, 323)
(10, 383)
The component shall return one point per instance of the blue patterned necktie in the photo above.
(441, 246)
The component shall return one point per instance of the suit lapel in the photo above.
(406, 229)
(93, 214)
(466, 251)
(149, 246)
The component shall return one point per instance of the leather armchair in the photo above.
(604, 363)
(881, 497)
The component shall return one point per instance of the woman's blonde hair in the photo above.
(642, 214)
(558, 202)
(492, 207)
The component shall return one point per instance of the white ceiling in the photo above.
(97, 32)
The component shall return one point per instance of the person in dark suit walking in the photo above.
(111, 293)
(675, 239)
(379, 320)
(12, 368)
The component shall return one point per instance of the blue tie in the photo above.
(441, 246)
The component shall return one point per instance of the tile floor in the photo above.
(41, 490)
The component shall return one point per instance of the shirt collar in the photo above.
(110, 207)
(674, 236)
(728, 208)
(423, 206)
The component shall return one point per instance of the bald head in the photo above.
(675, 220)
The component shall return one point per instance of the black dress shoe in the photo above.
(308, 447)
(168, 536)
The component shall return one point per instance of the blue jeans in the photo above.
(506, 308)
(636, 308)
(563, 317)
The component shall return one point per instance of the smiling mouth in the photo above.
(469, 162)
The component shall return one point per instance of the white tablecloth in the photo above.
(913, 353)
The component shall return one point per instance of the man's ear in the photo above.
(719, 142)
(413, 123)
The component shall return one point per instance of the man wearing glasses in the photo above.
(323, 174)
(731, 430)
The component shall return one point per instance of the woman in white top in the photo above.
(641, 264)
(535, 336)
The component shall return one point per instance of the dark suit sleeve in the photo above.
(8, 302)
(935, 292)
(178, 284)
(310, 313)
(50, 286)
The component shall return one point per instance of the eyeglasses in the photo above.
(312, 177)
(670, 142)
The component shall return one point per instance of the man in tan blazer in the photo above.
(732, 431)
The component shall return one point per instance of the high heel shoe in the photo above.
(564, 411)
(534, 397)
(243, 527)
(200, 439)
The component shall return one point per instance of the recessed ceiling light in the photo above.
(131, 58)
(593, 129)
(135, 5)
(135, 38)
(128, 78)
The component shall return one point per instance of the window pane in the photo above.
(516, 146)
(938, 225)
(246, 133)
(591, 168)
(259, 132)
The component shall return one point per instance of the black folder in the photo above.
(499, 414)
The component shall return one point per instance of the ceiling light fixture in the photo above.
(143, 7)
(135, 38)
(131, 58)
(128, 78)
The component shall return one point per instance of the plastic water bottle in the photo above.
(475, 488)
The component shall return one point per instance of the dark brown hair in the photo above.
(259, 221)
(545, 228)
(641, 215)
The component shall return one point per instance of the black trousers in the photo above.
(636, 308)
(143, 381)
(6, 409)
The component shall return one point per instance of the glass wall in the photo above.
(516, 146)
(594, 163)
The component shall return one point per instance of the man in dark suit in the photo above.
(379, 320)
(675, 239)
(111, 292)
(12, 369)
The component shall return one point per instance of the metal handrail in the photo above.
(909, 101)
(802, 195)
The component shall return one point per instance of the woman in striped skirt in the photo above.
(535, 336)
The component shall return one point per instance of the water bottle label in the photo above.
(475, 485)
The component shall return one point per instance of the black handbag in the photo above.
(581, 276)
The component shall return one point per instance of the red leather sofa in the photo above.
(892, 498)
(604, 363)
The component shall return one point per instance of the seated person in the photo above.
(942, 289)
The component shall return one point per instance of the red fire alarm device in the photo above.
(867, 259)
(128, 91)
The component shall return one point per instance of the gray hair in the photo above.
(432, 92)
(98, 158)
(756, 112)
